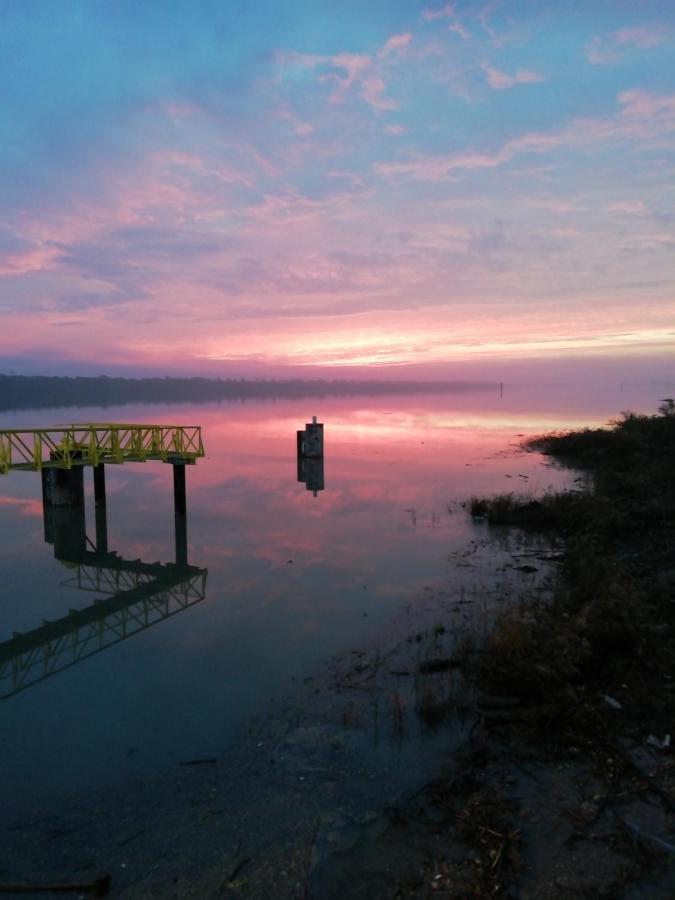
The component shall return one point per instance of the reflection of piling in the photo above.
(99, 486)
(63, 488)
(100, 509)
(181, 540)
(67, 531)
(310, 456)
(101, 515)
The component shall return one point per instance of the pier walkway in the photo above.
(34, 449)
(139, 594)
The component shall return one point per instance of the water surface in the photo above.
(293, 575)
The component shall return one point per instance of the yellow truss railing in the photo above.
(89, 445)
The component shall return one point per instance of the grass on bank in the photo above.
(611, 626)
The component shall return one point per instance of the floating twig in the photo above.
(99, 887)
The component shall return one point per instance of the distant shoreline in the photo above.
(52, 391)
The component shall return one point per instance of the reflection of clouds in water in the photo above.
(25, 506)
(355, 551)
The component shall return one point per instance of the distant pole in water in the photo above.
(501, 389)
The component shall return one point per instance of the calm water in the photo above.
(292, 577)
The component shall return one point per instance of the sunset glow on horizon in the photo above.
(242, 188)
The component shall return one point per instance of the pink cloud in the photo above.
(598, 54)
(457, 28)
(500, 81)
(635, 207)
(350, 70)
(353, 65)
(35, 259)
(641, 104)
(396, 130)
(606, 49)
(441, 12)
(644, 38)
(447, 12)
(642, 115)
(372, 90)
(396, 42)
(25, 506)
(302, 129)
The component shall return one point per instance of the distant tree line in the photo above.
(45, 391)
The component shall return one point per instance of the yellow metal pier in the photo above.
(34, 449)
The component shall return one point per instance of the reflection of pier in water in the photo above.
(139, 594)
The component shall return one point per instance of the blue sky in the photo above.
(225, 187)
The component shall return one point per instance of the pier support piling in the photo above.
(179, 502)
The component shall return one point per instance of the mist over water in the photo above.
(293, 577)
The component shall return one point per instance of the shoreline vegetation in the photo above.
(52, 391)
(568, 788)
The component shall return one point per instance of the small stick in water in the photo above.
(99, 887)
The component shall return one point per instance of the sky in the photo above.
(302, 186)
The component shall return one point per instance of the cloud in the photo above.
(347, 70)
(500, 81)
(598, 53)
(372, 91)
(633, 207)
(643, 38)
(447, 12)
(302, 129)
(396, 130)
(396, 43)
(642, 115)
(440, 12)
(485, 243)
(360, 71)
(604, 50)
